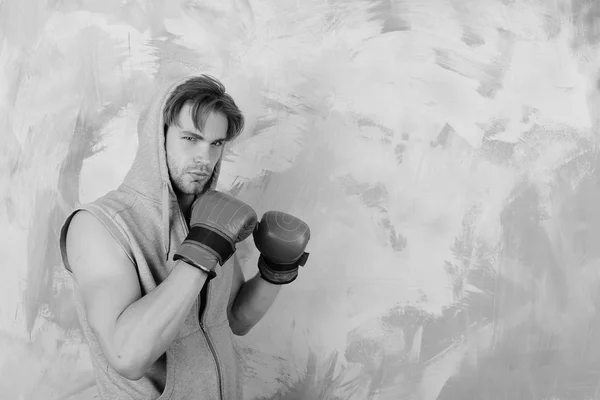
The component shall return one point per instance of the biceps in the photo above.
(106, 299)
(106, 278)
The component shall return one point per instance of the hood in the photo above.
(149, 175)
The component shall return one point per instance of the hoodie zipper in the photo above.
(208, 339)
(201, 315)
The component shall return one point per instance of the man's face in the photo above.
(192, 154)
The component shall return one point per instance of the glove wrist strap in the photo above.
(213, 240)
(274, 275)
(274, 282)
(293, 265)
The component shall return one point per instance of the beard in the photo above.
(186, 183)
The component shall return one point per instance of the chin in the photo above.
(187, 189)
(197, 189)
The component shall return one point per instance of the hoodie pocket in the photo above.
(171, 367)
(191, 372)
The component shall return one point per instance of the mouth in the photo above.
(199, 174)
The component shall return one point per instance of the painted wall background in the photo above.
(444, 153)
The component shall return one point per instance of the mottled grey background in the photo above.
(444, 153)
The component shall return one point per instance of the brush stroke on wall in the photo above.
(444, 154)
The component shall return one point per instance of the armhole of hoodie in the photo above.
(108, 223)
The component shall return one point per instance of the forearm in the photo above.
(148, 326)
(252, 302)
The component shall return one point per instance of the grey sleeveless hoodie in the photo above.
(144, 217)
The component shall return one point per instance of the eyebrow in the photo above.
(199, 136)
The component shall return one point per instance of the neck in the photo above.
(185, 203)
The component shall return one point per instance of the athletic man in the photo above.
(159, 288)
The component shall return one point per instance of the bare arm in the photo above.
(249, 301)
(133, 331)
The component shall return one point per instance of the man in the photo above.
(159, 290)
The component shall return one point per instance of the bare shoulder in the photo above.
(106, 277)
(90, 244)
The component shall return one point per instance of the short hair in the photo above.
(206, 94)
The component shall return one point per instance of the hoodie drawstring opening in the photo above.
(166, 219)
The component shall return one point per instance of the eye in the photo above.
(190, 138)
(219, 143)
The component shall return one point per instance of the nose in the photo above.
(202, 154)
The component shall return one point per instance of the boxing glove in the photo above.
(218, 222)
(281, 240)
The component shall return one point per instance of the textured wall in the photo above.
(444, 153)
